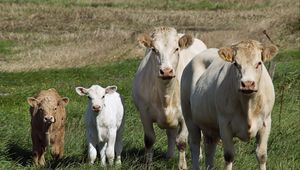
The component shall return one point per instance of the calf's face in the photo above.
(47, 107)
(96, 95)
(165, 45)
(247, 58)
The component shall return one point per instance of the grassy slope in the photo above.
(15, 144)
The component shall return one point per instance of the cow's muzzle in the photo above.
(247, 87)
(96, 108)
(49, 119)
(166, 73)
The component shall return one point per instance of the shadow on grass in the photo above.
(18, 154)
(23, 157)
(68, 161)
(136, 158)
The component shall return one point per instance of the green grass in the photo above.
(15, 143)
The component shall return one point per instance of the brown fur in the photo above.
(145, 39)
(185, 41)
(47, 102)
(226, 53)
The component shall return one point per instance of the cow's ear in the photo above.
(111, 89)
(185, 41)
(65, 100)
(226, 53)
(145, 40)
(81, 91)
(268, 52)
(33, 102)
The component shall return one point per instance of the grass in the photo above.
(154, 4)
(15, 144)
(69, 43)
(76, 33)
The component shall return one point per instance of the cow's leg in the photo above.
(36, 147)
(149, 139)
(110, 150)
(35, 153)
(171, 135)
(262, 143)
(226, 137)
(38, 154)
(119, 146)
(57, 149)
(194, 142)
(42, 160)
(210, 149)
(181, 142)
(102, 150)
(92, 152)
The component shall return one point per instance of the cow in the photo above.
(155, 88)
(48, 116)
(228, 93)
(104, 123)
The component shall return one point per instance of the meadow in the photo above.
(65, 44)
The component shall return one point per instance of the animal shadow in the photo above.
(18, 154)
(68, 161)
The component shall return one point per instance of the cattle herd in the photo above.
(181, 86)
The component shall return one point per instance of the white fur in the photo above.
(104, 128)
(211, 101)
(158, 100)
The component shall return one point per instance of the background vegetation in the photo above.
(69, 43)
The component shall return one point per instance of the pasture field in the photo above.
(68, 43)
(15, 145)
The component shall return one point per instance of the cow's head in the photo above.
(46, 107)
(96, 95)
(165, 44)
(247, 58)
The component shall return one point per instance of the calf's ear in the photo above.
(185, 41)
(145, 40)
(81, 91)
(33, 102)
(65, 100)
(268, 52)
(110, 89)
(226, 53)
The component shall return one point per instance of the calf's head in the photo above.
(165, 44)
(45, 107)
(96, 95)
(247, 58)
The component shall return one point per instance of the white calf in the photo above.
(104, 123)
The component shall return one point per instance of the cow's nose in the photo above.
(166, 72)
(248, 85)
(49, 119)
(96, 108)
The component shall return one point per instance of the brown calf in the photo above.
(47, 124)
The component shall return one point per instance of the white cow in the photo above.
(228, 93)
(104, 123)
(156, 87)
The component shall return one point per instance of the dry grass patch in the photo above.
(66, 33)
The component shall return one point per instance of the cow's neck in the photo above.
(167, 91)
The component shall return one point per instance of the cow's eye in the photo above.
(89, 97)
(103, 97)
(154, 50)
(236, 65)
(258, 64)
(176, 50)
